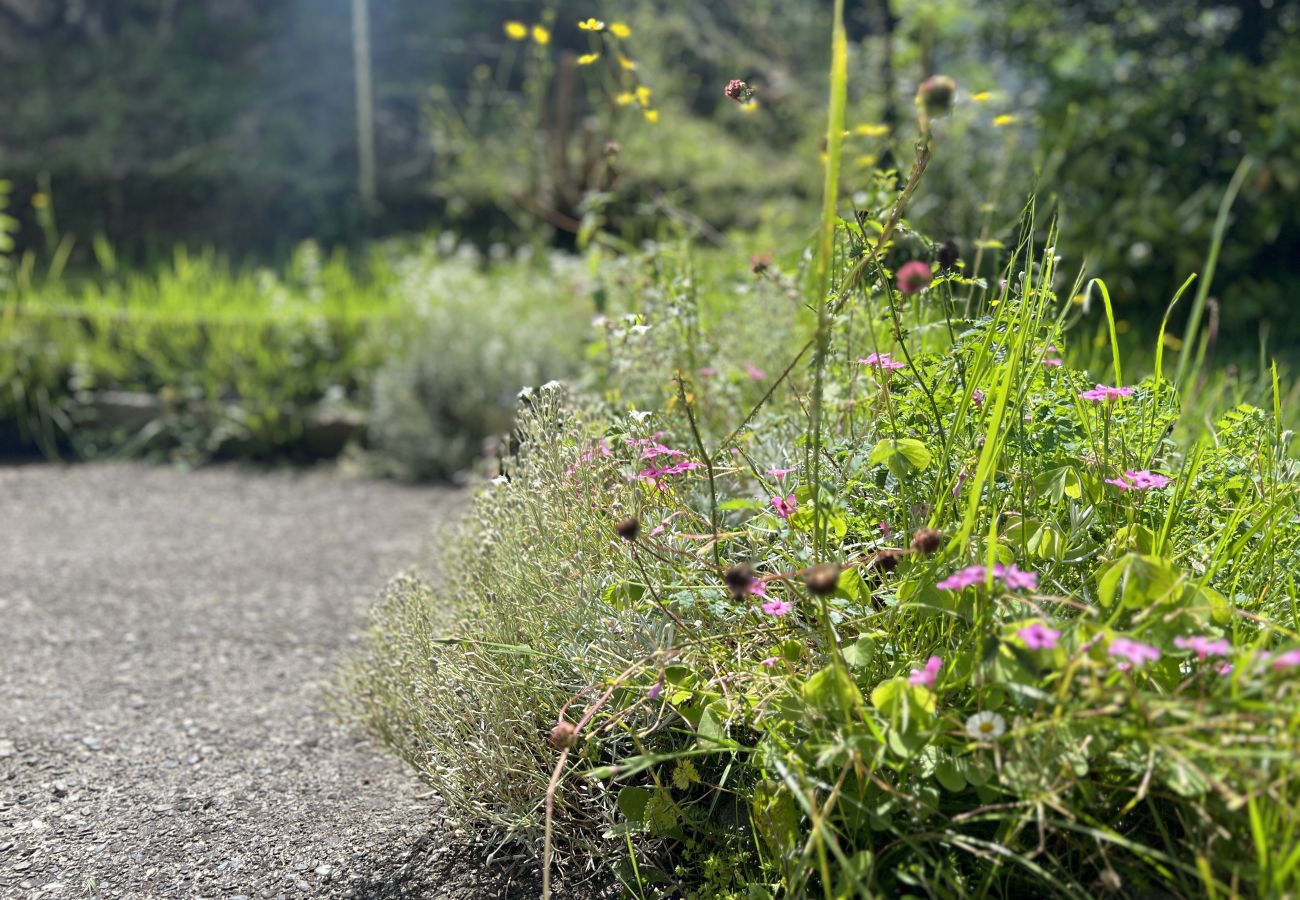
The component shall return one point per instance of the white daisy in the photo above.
(986, 726)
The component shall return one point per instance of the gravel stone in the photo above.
(152, 615)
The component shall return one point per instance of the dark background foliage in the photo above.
(233, 123)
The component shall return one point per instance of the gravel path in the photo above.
(165, 638)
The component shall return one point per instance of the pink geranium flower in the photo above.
(1104, 393)
(914, 276)
(1134, 652)
(883, 361)
(1052, 356)
(963, 578)
(754, 372)
(1203, 646)
(777, 607)
(1287, 660)
(1038, 636)
(758, 587)
(779, 473)
(928, 675)
(784, 506)
(770, 662)
(1012, 577)
(706, 372)
(1015, 578)
(1139, 480)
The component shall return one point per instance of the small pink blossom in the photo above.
(655, 689)
(963, 578)
(1038, 636)
(1287, 660)
(1224, 669)
(885, 530)
(977, 397)
(758, 587)
(755, 372)
(1052, 356)
(1203, 646)
(1139, 480)
(784, 506)
(1135, 652)
(777, 607)
(770, 662)
(1103, 392)
(707, 372)
(738, 90)
(914, 276)
(1015, 578)
(883, 361)
(779, 473)
(928, 675)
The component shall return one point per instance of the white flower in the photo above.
(986, 726)
(639, 415)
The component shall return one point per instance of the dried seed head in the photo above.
(564, 735)
(739, 578)
(628, 529)
(822, 579)
(948, 254)
(927, 540)
(885, 561)
(935, 95)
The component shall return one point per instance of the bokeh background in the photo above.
(200, 156)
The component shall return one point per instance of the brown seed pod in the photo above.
(628, 529)
(927, 540)
(564, 735)
(935, 95)
(739, 578)
(948, 254)
(822, 579)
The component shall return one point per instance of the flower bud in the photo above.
(739, 578)
(927, 540)
(914, 276)
(564, 735)
(739, 91)
(948, 254)
(822, 579)
(935, 95)
(628, 529)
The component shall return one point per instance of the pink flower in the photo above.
(738, 90)
(1102, 392)
(1134, 652)
(1287, 660)
(784, 506)
(883, 361)
(777, 607)
(655, 689)
(1203, 646)
(914, 276)
(770, 662)
(1139, 480)
(1051, 356)
(963, 578)
(1224, 669)
(758, 587)
(780, 473)
(977, 397)
(885, 530)
(655, 448)
(1038, 636)
(1014, 578)
(754, 372)
(707, 372)
(928, 675)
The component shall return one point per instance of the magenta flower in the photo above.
(963, 578)
(1038, 636)
(707, 372)
(1014, 578)
(777, 607)
(1224, 669)
(779, 473)
(758, 587)
(1139, 480)
(1104, 393)
(914, 276)
(1052, 356)
(770, 662)
(883, 361)
(654, 448)
(659, 529)
(1287, 660)
(784, 506)
(655, 689)
(1135, 652)
(755, 372)
(1203, 646)
(928, 675)
(977, 397)
(885, 530)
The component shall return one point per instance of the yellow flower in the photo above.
(541, 35)
(872, 130)
(619, 30)
(1172, 341)
(625, 99)
(516, 31)
(40, 200)
(587, 59)
(1004, 119)
(592, 25)
(626, 63)
(866, 160)
(652, 115)
(749, 106)
(643, 95)
(982, 96)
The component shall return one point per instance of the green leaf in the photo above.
(948, 775)
(624, 594)
(903, 456)
(632, 802)
(907, 706)
(861, 652)
(1138, 581)
(831, 692)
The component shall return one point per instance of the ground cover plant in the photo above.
(865, 589)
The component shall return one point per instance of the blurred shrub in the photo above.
(469, 340)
